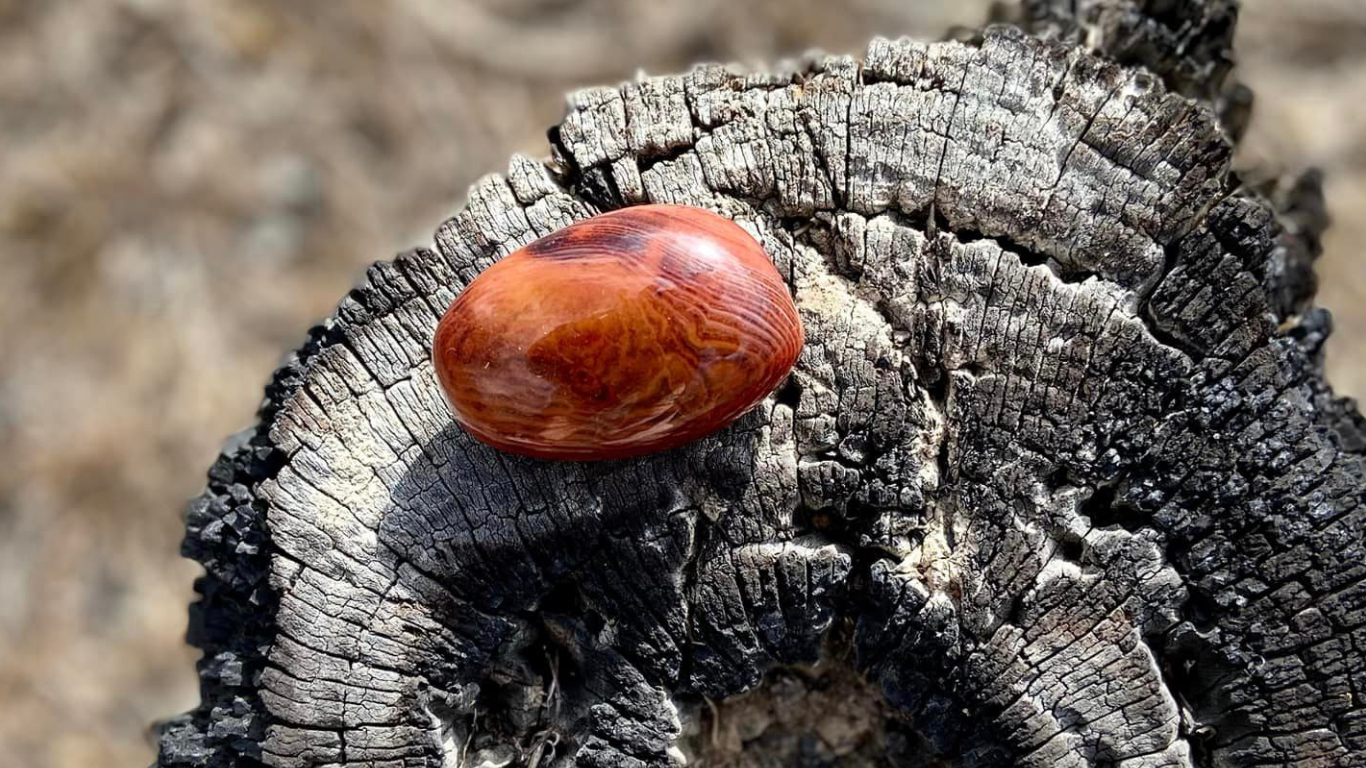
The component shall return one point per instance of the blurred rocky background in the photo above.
(185, 187)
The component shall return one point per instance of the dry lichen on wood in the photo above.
(1057, 480)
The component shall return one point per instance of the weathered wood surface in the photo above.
(1057, 473)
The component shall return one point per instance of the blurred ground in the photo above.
(184, 188)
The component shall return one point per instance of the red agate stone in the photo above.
(627, 333)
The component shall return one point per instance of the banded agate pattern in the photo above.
(627, 333)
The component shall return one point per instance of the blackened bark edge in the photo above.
(1058, 463)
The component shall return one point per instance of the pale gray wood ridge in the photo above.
(1058, 468)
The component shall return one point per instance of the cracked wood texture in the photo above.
(1057, 480)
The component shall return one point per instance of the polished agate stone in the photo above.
(626, 333)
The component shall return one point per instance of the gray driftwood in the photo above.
(1057, 481)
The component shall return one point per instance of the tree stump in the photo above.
(1057, 480)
